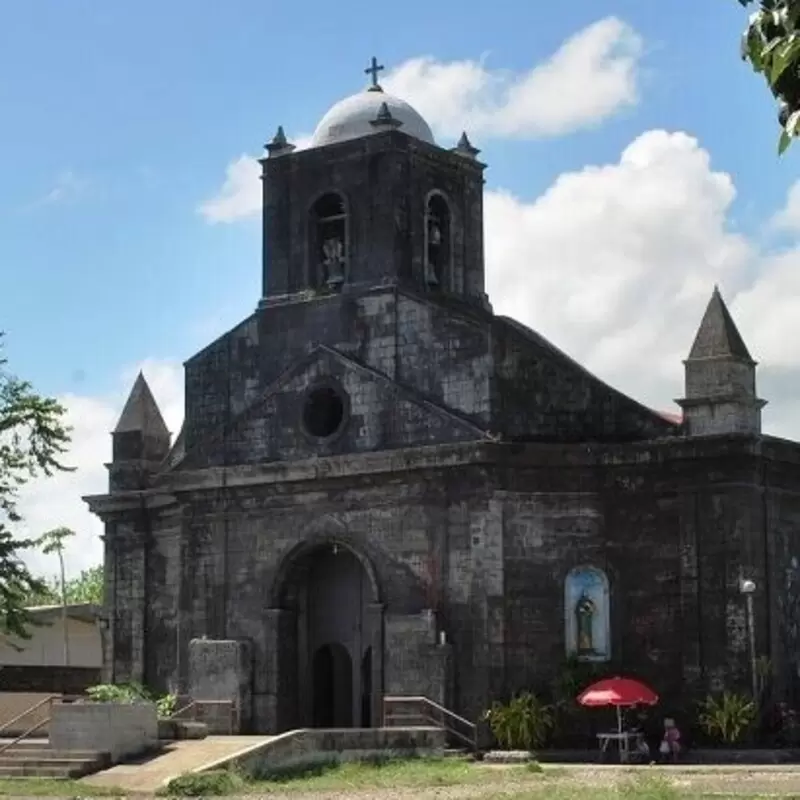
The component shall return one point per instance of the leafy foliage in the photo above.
(771, 44)
(728, 717)
(33, 439)
(521, 724)
(166, 706)
(84, 588)
(129, 693)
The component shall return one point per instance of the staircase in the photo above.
(415, 712)
(24, 756)
(36, 759)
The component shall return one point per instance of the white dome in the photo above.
(352, 118)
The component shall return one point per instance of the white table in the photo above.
(624, 741)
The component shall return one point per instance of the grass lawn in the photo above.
(50, 787)
(451, 779)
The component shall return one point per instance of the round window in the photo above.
(323, 412)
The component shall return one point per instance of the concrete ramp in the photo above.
(176, 759)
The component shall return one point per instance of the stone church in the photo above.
(383, 488)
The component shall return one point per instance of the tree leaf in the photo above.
(784, 142)
(785, 55)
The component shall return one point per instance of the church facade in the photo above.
(383, 488)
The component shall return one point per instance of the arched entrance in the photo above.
(332, 670)
(332, 628)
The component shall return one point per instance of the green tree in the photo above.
(771, 44)
(33, 439)
(52, 543)
(84, 588)
(87, 587)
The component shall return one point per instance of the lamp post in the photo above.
(748, 588)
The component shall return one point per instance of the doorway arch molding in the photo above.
(330, 534)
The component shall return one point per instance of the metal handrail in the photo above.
(40, 724)
(49, 699)
(195, 704)
(178, 711)
(448, 717)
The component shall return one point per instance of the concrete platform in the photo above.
(177, 758)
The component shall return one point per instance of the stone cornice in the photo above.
(640, 455)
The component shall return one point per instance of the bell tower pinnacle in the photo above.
(720, 378)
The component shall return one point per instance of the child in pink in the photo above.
(671, 743)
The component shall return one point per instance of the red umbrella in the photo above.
(619, 692)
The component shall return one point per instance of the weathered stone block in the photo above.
(221, 670)
(119, 729)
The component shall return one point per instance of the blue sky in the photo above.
(119, 119)
(632, 165)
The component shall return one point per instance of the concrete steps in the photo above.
(38, 760)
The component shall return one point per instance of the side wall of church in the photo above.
(675, 527)
(781, 513)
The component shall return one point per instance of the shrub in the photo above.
(728, 717)
(132, 693)
(165, 706)
(216, 782)
(117, 693)
(522, 724)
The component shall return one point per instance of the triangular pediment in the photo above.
(328, 403)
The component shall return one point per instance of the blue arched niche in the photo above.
(587, 614)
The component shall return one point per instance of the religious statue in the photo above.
(584, 614)
(433, 256)
(333, 261)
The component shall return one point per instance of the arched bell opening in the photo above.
(438, 242)
(328, 242)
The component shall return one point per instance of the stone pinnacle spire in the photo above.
(718, 336)
(141, 412)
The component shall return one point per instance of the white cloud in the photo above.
(788, 218)
(240, 195)
(56, 501)
(590, 77)
(616, 263)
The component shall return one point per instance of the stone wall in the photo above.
(121, 730)
(312, 746)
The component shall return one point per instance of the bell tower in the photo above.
(373, 201)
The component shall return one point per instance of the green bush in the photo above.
(214, 783)
(728, 717)
(521, 724)
(117, 693)
(132, 693)
(166, 706)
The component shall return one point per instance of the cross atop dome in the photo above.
(373, 69)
